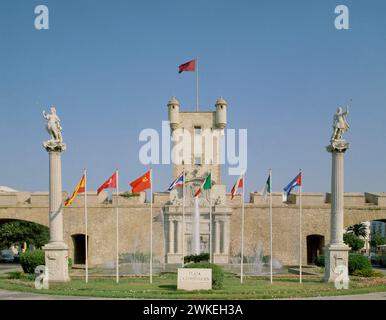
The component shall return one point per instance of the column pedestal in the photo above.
(335, 255)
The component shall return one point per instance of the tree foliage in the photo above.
(377, 239)
(359, 229)
(353, 241)
(18, 232)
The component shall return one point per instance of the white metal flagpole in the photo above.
(85, 223)
(196, 84)
(183, 217)
(117, 230)
(151, 225)
(210, 219)
(242, 233)
(300, 231)
(270, 222)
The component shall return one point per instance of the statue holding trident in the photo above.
(340, 124)
(55, 130)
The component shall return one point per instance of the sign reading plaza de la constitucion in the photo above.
(325, 215)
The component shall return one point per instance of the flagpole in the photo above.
(270, 222)
(210, 219)
(151, 225)
(300, 231)
(242, 233)
(197, 84)
(117, 230)
(183, 217)
(85, 222)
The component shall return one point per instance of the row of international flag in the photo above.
(144, 182)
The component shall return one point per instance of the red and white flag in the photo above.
(110, 183)
(239, 184)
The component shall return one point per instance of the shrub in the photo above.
(357, 262)
(382, 261)
(377, 239)
(128, 194)
(69, 263)
(197, 258)
(354, 242)
(320, 261)
(31, 259)
(217, 272)
(266, 259)
(367, 273)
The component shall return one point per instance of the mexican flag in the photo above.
(206, 185)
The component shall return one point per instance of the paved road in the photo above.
(383, 270)
(367, 296)
(9, 267)
(11, 295)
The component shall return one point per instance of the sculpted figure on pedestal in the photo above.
(340, 124)
(55, 130)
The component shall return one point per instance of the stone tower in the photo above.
(197, 145)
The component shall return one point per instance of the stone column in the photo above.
(56, 251)
(196, 228)
(217, 247)
(171, 236)
(226, 236)
(179, 237)
(336, 252)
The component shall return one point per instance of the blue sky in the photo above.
(111, 66)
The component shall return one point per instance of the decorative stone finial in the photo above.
(221, 101)
(173, 101)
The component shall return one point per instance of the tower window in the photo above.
(197, 130)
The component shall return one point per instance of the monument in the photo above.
(336, 253)
(197, 224)
(56, 251)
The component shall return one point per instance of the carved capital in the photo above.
(54, 146)
(338, 146)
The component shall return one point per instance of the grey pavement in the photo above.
(367, 296)
(13, 295)
(9, 267)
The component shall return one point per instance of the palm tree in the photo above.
(359, 229)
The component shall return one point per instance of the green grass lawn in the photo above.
(164, 287)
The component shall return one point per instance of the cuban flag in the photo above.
(179, 182)
(296, 182)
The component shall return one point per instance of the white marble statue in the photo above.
(340, 124)
(55, 144)
(53, 125)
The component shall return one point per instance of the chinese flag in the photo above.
(188, 66)
(142, 183)
(110, 183)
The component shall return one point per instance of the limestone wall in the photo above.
(134, 221)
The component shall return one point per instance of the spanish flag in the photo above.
(80, 188)
(142, 183)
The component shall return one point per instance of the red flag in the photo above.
(110, 183)
(188, 66)
(142, 183)
(239, 184)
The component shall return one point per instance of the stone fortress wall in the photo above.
(134, 224)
